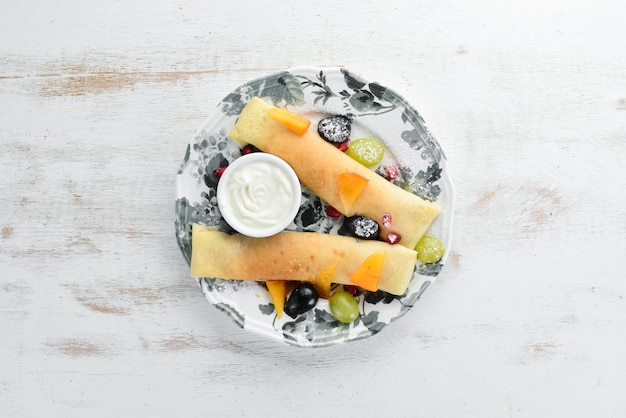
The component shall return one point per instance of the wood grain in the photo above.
(99, 316)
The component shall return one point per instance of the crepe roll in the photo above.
(321, 167)
(296, 256)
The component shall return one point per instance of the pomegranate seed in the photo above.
(392, 172)
(353, 290)
(248, 149)
(332, 212)
(343, 146)
(387, 220)
(393, 238)
(218, 172)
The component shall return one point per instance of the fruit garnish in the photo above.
(352, 289)
(393, 237)
(368, 274)
(219, 171)
(249, 149)
(294, 122)
(391, 172)
(343, 306)
(301, 300)
(277, 291)
(343, 146)
(362, 227)
(350, 187)
(429, 249)
(367, 151)
(335, 129)
(323, 280)
(387, 220)
(331, 212)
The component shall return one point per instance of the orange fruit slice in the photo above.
(277, 292)
(368, 274)
(295, 123)
(350, 186)
(323, 280)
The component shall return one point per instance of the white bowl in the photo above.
(259, 195)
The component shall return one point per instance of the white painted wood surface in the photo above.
(98, 315)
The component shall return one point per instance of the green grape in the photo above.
(343, 306)
(367, 151)
(429, 249)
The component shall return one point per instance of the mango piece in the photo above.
(349, 187)
(368, 274)
(277, 292)
(294, 122)
(323, 280)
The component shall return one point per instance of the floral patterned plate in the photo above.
(413, 157)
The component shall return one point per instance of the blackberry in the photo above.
(362, 227)
(335, 129)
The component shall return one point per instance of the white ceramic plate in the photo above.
(316, 93)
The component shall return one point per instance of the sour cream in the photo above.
(259, 195)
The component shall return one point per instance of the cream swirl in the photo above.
(259, 194)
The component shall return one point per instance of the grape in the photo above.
(367, 151)
(343, 306)
(429, 249)
(302, 299)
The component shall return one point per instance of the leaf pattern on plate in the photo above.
(371, 103)
(282, 89)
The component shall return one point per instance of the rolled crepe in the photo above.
(295, 256)
(319, 164)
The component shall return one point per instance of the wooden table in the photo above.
(99, 316)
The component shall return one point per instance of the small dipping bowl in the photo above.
(258, 194)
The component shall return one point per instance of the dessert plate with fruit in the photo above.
(380, 193)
